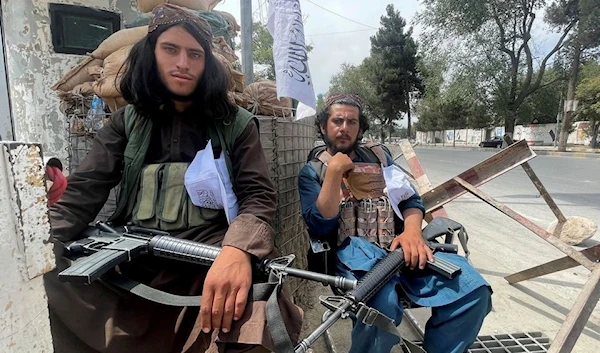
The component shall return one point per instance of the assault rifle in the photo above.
(102, 248)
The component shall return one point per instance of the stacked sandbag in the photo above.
(241, 99)
(77, 75)
(263, 100)
(220, 46)
(228, 68)
(211, 3)
(235, 27)
(149, 5)
(107, 86)
(118, 40)
(97, 74)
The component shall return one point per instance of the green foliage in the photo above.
(493, 38)
(262, 52)
(588, 94)
(393, 64)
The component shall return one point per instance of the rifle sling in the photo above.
(259, 292)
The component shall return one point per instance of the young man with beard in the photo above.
(177, 95)
(459, 306)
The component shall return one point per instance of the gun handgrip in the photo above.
(88, 269)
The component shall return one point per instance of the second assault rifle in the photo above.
(102, 248)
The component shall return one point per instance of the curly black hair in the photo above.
(324, 115)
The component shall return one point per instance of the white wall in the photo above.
(25, 252)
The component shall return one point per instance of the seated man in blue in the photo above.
(459, 305)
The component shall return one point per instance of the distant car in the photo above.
(495, 141)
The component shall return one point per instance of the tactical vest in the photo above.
(371, 217)
(154, 195)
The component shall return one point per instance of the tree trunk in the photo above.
(595, 128)
(391, 130)
(454, 138)
(408, 128)
(509, 124)
(568, 116)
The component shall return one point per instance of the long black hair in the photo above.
(142, 87)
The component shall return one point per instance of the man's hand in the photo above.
(328, 202)
(416, 252)
(59, 184)
(341, 163)
(225, 289)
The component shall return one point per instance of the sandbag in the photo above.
(94, 71)
(114, 104)
(108, 86)
(114, 62)
(263, 100)
(119, 39)
(77, 75)
(241, 99)
(238, 78)
(210, 4)
(223, 61)
(85, 89)
(235, 27)
(221, 47)
(149, 5)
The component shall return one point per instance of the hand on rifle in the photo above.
(226, 289)
(416, 251)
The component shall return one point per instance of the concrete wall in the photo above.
(5, 118)
(33, 67)
(535, 135)
(25, 252)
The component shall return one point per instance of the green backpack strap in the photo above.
(223, 136)
(138, 133)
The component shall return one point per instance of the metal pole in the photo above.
(247, 60)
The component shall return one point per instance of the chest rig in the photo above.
(365, 210)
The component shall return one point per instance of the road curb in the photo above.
(589, 155)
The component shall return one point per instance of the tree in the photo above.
(320, 102)
(394, 67)
(499, 32)
(357, 79)
(588, 94)
(430, 116)
(586, 35)
(262, 52)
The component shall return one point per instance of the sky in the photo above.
(357, 20)
(332, 50)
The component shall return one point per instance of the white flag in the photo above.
(290, 55)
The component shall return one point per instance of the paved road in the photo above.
(574, 183)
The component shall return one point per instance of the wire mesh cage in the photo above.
(81, 134)
(287, 144)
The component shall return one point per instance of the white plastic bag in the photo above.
(208, 185)
(398, 187)
(228, 196)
